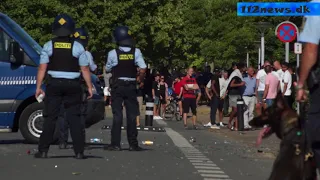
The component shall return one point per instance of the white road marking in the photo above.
(206, 168)
(215, 175)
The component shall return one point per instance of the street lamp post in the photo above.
(258, 45)
(262, 27)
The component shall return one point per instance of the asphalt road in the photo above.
(171, 157)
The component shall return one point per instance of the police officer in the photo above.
(63, 58)
(310, 64)
(123, 62)
(80, 35)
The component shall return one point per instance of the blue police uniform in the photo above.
(123, 63)
(92, 65)
(123, 89)
(78, 51)
(112, 60)
(63, 57)
(80, 36)
(311, 34)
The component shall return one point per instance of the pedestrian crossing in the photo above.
(17, 80)
(204, 166)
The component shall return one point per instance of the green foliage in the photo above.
(170, 33)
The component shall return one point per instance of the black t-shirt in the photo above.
(156, 88)
(216, 84)
(235, 90)
(162, 89)
(148, 86)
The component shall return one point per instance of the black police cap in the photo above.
(82, 36)
(63, 25)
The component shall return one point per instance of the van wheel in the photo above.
(31, 122)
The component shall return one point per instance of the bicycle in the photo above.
(172, 110)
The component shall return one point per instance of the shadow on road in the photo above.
(14, 141)
(63, 157)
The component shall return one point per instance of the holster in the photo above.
(84, 89)
(313, 80)
(47, 79)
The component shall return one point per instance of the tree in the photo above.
(170, 33)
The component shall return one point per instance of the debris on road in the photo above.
(147, 142)
(76, 173)
(96, 140)
(192, 139)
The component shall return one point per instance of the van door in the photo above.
(11, 80)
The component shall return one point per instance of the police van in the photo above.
(19, 109)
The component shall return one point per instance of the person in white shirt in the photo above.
(278, 70)
(223, 91)
(286, 84)
(260, 85)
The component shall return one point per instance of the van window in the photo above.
(4, 46)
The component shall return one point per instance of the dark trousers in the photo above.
(313, 124)
(124, 92)
(63, 126)
(213, 109)
(226, 105)
(68, 92)
(289, 100)
(63, 123)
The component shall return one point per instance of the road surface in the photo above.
(172, 157)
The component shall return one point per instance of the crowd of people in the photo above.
(257, 88)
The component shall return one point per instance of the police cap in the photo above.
(63, 25)
(123, 36)
(82, 36)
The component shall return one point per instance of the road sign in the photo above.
(297, 48)
(286, 31)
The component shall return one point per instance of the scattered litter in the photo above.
(76, 173)
(29, 152)
(260, 151)
(226, 142)
(96, 140)
(192, 139)
(55, 166)
(147, 142)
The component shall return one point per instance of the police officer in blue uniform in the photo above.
(123, 62)
(309, 72)
(80, 35)
(62, 58)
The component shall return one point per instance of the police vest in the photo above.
(62, 58)
(126, 64)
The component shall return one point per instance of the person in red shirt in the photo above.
(189, 97)
(177, 88)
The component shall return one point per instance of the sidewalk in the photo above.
(269, 147)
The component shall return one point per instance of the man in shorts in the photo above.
(156, 96)
(235, 90)
(260, 84)
(189, 97)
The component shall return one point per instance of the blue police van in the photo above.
(19, 109)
